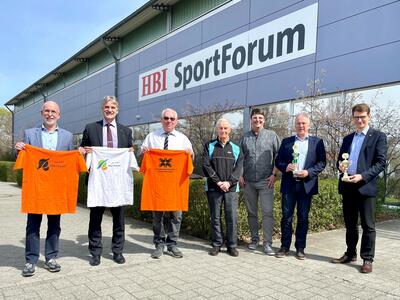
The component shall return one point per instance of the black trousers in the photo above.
(355, 204)
(118, 237)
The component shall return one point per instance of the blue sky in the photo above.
(39, 35)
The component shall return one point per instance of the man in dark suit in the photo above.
(300, 159)
(107, 133)
(367, 150)
(48, 136)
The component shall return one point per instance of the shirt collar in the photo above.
(364, 131)
(46, 130)
(113, 123)
(173, 132)
(297, 138)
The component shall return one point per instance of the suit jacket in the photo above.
(314, 164)
(93, 135)
(371, 161)
(33, 136)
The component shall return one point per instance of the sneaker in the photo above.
(52, 265)
(282, 252)
(175, 252)
(233, 252)
(253, 245)
(300, 254)
(29, 270)
(158, 252)
(214, 251)
(268, 250)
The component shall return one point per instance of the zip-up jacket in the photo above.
(222, 163)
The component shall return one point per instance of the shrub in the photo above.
(6, 171)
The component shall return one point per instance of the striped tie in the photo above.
(110, 143)
(166, 140)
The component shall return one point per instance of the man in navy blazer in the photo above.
(52, 137)
(367, 150)
(108, 133)
(299, 182)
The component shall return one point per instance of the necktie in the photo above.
(109, 136)
(166, 141)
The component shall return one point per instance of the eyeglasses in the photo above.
(359, 117)
(169, 118)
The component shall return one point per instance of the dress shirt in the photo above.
(49, 138)
(176, 140)
(355, 149)
(302, 145)
(113, 127)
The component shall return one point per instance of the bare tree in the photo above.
(199, 126)
(6, 134)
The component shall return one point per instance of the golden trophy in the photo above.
(345, 163)
(295, 160)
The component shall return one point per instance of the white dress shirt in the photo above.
(176, 140)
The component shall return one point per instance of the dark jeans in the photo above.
(32, 243)
(174, 225)
(289, 202)
(353, 204)
(118, 237)
(230, 201)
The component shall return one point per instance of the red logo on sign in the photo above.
(154, 83)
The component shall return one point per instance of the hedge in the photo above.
(6, 171)
(325, 214)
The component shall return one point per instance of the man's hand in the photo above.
(88, 149)
(355, 178)
(131, 149)
(302, 174)
(19, 146)
(82, 150)
(291, 167)
(144, 149)
(271, 181)
(224, 186)
(341, 167)
(241, 182)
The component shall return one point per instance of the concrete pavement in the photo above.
(197, 275)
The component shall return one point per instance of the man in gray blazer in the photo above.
(48, 136)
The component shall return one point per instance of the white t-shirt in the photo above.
(110, 176)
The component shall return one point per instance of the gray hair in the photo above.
(51, 102)
(169, 109)
(303, 114)
(222, 120)
(111, 99)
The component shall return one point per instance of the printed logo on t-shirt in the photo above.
(102, 164)
(44, 164)
(165, 162)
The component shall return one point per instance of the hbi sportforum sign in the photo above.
(286, 38)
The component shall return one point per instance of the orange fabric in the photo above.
(166, 180)
(50, 180)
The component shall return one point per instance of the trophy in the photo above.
(295, 160)
(345, 163)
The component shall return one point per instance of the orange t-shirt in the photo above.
(50, 180)
(166, 180)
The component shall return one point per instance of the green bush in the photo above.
(325, 214)
(6, 171)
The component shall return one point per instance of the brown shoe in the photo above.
(345, 259)
(366, 267)
(233, 252)
(214, 251)
(282, 252)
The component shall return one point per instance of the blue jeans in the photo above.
(174, 225)
(289, 202)
(230, 201)
(32, 243)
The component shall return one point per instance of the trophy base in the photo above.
(346, 179)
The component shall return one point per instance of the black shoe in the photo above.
(300, 254)
(94, 260)
(233, 252)
(345, 259)
(214, 251)
(118, 258)
(282, 252)
(52, 266)
(29, 270)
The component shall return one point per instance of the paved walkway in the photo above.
(252, 275)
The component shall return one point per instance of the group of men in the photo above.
(254, 164)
